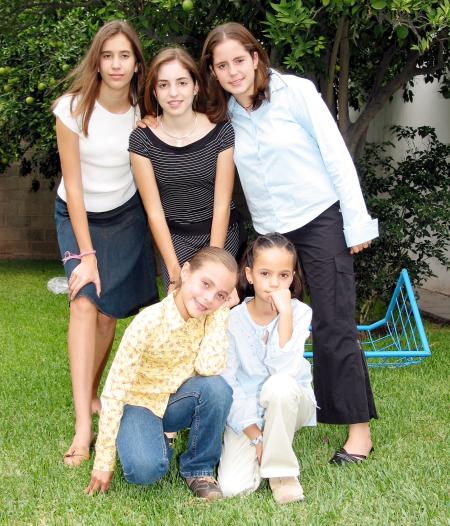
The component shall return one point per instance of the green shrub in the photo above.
(411, 200)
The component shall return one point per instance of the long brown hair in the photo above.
(263, 242)
(217, 96)
(86, 81)
(166, 55)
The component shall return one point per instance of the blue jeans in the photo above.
(201, 403)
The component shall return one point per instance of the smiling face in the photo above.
(117, 62)
(175, 89)
(234, 68)
(273, 269)
(204, 290)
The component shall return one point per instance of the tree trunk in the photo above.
(329, 93)
(344, 63)
(354, 132)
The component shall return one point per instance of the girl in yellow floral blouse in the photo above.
(164, 378)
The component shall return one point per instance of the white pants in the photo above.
(287, 408)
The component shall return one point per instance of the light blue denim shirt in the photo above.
(254, 354)
(293, 163)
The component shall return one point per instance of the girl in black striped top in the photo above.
(184, 168)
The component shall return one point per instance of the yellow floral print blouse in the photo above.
(158, 352)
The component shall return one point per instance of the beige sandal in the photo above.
(76, 456)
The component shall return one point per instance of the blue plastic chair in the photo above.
(398, 339)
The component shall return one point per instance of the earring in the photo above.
(250, 282)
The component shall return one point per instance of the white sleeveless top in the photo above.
(104, 160)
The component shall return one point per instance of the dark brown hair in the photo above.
(217, 96)
(171, 54)
(86, 80)
(264, 242)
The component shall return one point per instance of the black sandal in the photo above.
(344, 457)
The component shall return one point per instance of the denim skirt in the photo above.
(124, 252)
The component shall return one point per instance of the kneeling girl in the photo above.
(164, 378)
(271, 380)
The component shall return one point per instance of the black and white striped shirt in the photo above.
(185, 175)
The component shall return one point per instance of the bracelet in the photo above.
(256, 441)
(68, 255)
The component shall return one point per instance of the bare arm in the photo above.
(148, 189)
(223, 190)
(69, 153)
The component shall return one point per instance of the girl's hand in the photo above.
(148, 122)
(86, 272)
(100, 481)
(175, 276)
(281, 300)
(233, 299)
(360, 247)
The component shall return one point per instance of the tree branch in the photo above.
(344, 63)
(329, 95)
(381, 70)
(374, 105)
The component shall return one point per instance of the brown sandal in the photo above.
(76, 456)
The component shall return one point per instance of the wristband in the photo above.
(68, 255)
(256, 441)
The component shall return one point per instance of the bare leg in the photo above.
(358, 441)
(81, 342)
(106, 328)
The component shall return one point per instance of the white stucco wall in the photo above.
(429, 108)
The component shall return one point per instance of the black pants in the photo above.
(341, 380)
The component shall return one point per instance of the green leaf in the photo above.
(402, 32)
(378, 4)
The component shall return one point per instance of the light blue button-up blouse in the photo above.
(254, 354)
(293, 163)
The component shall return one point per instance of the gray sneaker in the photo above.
(206, 488)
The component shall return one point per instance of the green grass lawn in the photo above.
(405, 481)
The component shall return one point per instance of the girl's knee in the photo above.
(216, 389)
(278, 384)
(83, 306)
(279, 387)
(145, 473)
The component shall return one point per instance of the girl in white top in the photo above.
(101, 225)
(271, 380)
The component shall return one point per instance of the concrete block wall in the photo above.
(27, 229)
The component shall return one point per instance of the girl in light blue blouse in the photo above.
(271, 380)
(299, 179)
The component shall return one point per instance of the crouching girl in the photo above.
(271, 380)
(164, 379)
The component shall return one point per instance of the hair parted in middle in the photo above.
(217, 96)
(85, 79)
(264, 242)
(166, 55)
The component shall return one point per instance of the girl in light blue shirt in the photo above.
(299, 179)
(270, 378)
